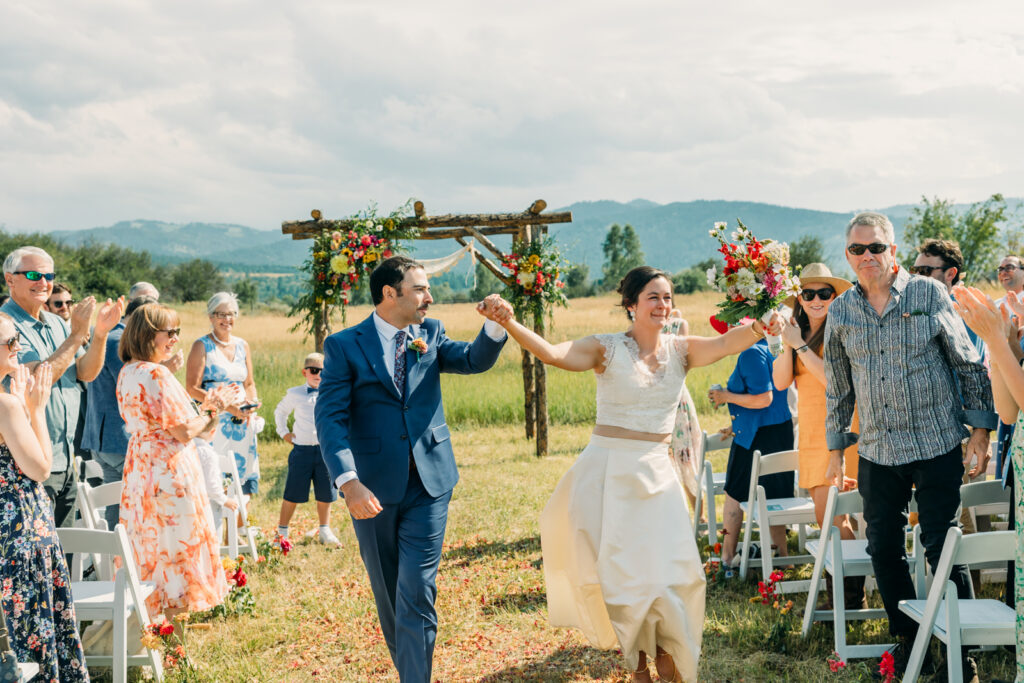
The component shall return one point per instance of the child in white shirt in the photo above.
(305, 464)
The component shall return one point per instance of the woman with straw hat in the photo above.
(801, 362)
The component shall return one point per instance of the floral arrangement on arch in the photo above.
(341, 260)
(535, 267)
(756, 278)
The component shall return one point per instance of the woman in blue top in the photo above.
(761, 421)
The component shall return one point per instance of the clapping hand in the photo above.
(496, 309)
(981, 314)
(791, 336)
(175, 362)
(109, 315)
(32, 388)
(81, 314)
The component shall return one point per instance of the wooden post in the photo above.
(323, 330)
(529, 374)
(540, 393)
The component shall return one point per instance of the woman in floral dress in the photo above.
(999, 332)
(33, 574)
(220, 358)
(164, 506)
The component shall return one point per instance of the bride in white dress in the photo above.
(620, 560)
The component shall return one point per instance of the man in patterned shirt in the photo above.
(895, 346)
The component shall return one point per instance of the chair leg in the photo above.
(748, 530)
(120, 645)
(709, 496)
(954, 651)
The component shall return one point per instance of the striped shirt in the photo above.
(912, 372)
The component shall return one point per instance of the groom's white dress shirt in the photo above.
(386, 331)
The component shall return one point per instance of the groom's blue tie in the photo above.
(400, 362)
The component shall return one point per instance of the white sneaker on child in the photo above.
(327, 537)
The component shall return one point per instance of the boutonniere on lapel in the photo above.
(915, 312)
(418, 345)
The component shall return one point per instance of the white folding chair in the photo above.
(709, 485)
(775, 512)
(112, 600)
(961, 622)
(982, 499)
(229, 467)
(92, 503)
(842, 558)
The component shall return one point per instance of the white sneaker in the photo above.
(327, 537)
(311, 534)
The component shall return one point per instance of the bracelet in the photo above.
(753, 327)
(801, 349)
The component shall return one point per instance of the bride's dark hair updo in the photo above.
(634, 283)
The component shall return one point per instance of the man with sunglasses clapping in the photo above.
(895, 346)
(43, 336)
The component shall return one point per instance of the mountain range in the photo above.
(673, 236)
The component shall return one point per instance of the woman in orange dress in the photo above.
(164, 506)
(801, 362)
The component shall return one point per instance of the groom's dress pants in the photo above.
(401, 549)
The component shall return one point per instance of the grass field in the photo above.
(315, 618)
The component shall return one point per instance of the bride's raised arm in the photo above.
(579, 355)
(707, 350)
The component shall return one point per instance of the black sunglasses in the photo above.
(874, 248)
(315, 371)
(825, 293)
(61, 304)
(173, 332)
(928, 270)
(35, 275)
(12, 342)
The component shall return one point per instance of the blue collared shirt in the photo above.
(912, 372)
(39, 340)
(753, 375)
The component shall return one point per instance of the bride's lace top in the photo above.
(630, 394)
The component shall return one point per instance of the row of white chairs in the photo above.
(954, 622)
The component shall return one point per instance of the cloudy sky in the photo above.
(255, 112)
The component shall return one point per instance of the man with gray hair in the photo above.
(143, 288)
(43, 336)
(896, 348)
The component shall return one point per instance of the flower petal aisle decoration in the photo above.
(756, 278)
(341, 261)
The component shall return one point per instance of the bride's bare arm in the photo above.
(707, 350)
(578, 356)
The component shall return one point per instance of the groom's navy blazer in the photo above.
(365, 426)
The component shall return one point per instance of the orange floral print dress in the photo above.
(164, 507)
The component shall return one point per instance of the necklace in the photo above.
(213, 336)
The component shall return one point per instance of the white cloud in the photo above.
(256, 112)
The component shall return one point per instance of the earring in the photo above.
(632, 316)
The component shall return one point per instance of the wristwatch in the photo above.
(801, 349)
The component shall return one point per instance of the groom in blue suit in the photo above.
(387, 447)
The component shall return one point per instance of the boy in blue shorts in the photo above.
(304, 462)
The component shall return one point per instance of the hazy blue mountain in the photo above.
(673, 236)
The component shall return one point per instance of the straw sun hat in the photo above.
(820, 273)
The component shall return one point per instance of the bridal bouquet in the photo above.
(756, 278)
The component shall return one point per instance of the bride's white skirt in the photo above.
(620, 560)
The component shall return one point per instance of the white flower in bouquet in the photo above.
(777, 252)
(524, 278)
(712, 276)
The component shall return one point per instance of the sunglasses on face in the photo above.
(173, 332)
(874, 248)
(928, 270)
(12, 342)
(825, 293)
(1008, 268)
(314, 371)
(61, 304)
(35, 275)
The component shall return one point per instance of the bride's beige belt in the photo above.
(623, 433)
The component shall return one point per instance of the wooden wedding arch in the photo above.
(524, 227)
